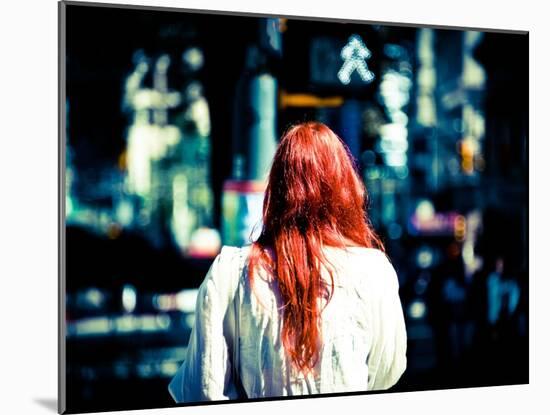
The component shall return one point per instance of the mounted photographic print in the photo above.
(256, 207)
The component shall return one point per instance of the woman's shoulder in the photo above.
(372, 263)
(371, 266)
(230, 251)
(381, 269)
(232, 256)
(372, 255)
(224, 274)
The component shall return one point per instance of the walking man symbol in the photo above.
(354, 55)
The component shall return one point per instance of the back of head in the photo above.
(314, 198)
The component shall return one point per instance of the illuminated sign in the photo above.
(450, 223)
(355, 54)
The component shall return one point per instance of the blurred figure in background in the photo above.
(447, 295)
(454, 295)
(499, 325)
(503, 294)
(503, 297)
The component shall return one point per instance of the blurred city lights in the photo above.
(186, 300)
(424, 257)
(473, 75)
(417, 309)
(118, 325)
(91, 299)
(129, 298)
(168, 369)
(460, 228)
(89, 327)
(426, 114)
(308, 100)
(160, 191)
(194, 58)
(394, 90)
(425, 210)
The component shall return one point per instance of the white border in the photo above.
(28, 208)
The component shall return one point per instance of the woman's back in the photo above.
(365, 287)
(357, 352)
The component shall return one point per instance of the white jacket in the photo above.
(363, 330)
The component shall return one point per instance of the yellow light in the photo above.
(417, 309)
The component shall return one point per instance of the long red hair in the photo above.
(314, 197)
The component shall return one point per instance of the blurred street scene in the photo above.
(172, 120)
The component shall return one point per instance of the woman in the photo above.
(312, 306)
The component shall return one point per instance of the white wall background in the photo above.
(28, 203)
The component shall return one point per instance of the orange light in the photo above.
(467, 165)
(467, 155)
(282, 24)
(122, 161)
(308, 100)
(460, 228)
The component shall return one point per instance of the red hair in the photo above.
(314, 197)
